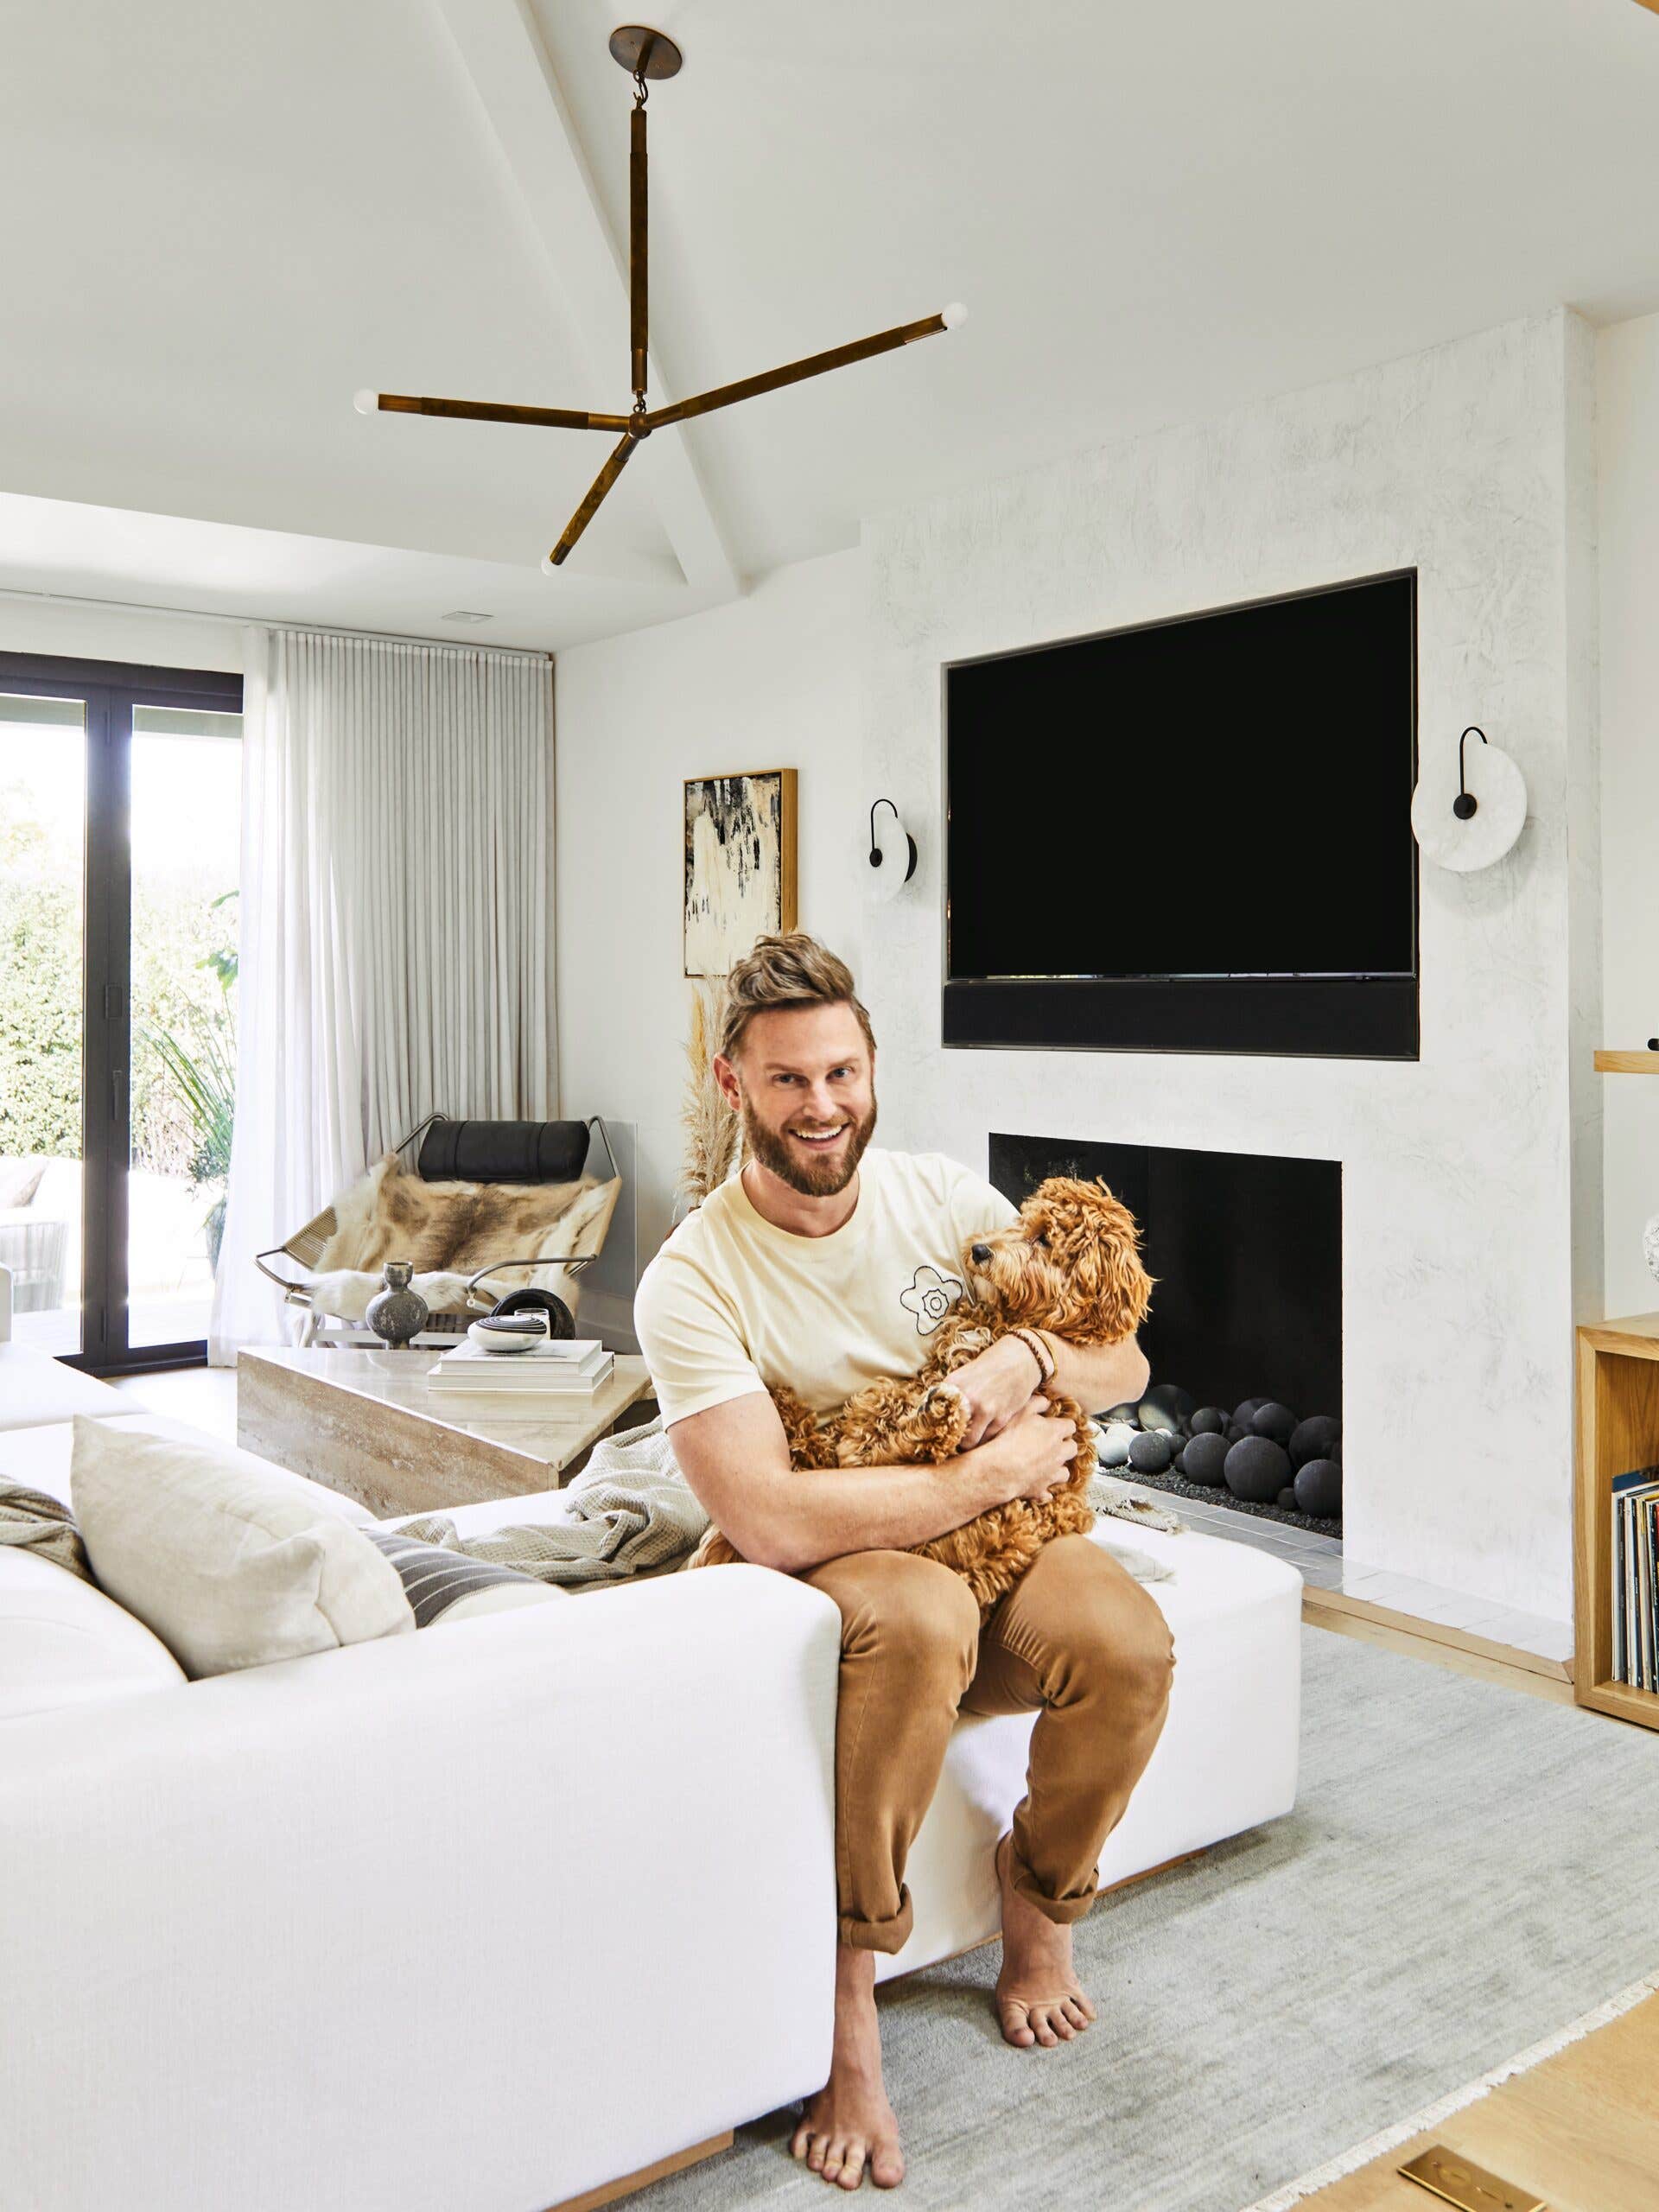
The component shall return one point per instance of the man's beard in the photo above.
(813, 1178)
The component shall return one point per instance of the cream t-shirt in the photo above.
(732, 1304)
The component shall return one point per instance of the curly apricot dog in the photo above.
(1070, 1263)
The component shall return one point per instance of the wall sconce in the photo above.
(1484, 820)
(892, 855)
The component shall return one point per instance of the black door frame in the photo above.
(109, 690)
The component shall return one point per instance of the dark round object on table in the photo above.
(561, 1321)
(1318, 1489)
(1209, 1420)
(1312, 1439)
(1151, 1453)
(1203, 1458)
(1271, 1419)
(1170, 1398)
(1130, 1414)
(1257, 1468)
(1179, 1463)
(1287, 1501)
(1244, 1415)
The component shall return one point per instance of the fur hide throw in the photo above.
(449, 1230)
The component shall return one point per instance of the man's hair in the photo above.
(786, 968)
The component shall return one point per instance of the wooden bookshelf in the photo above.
(1640, 1063)
(1619, 1431)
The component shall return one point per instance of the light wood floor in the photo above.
(1580, 2130)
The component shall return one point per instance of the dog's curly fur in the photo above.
(1071, 1263)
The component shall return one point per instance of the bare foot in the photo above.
(849, 2125)
(1038, 1997)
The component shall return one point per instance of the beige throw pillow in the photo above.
(231, 1562)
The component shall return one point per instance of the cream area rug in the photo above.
(1469, 1877)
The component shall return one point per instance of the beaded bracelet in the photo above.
(1039, 1351)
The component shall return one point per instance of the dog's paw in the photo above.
(939, 1422)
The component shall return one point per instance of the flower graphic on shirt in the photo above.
(929, 1297)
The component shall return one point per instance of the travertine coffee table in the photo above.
(366, 1424)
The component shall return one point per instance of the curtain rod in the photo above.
(240, 621)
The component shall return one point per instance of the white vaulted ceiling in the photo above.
(223, 218)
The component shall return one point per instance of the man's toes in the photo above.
(851, 2171)
(887, 2165)
(816, 2150)
(1085, 2008)
(834, 2159)
(799, 2140)
(1016, 2024)
(1046, 2035)
(1073, 2009)
(1056, 2018)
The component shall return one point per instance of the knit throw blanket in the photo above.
(631, 1513)
(35, 1521)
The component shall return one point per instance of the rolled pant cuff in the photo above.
(888, 1936)
(1062, 1911)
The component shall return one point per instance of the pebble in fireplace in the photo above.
(1261, 1456)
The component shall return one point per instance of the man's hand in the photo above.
(995, 1386)
(1028, 1457)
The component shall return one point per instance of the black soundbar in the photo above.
(1349, 1018)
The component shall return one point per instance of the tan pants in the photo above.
(1078, 1642)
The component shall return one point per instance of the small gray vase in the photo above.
(398, 1313)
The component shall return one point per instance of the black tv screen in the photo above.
(1221, 800)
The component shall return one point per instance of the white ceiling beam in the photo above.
(502, 52)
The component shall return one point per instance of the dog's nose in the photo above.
(980, 1254)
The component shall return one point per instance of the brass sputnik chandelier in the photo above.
(647, 55)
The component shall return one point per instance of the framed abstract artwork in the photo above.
(739, 865)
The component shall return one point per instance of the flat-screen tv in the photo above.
(1194, 835)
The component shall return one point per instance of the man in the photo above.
(825, 1265)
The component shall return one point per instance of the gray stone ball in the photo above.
(1113, 1450)
(1257, 1468)
(1129, 1415)
(1318, 1489)
(1271, 1419)
(1287, 1500)
(1179, 1463)
(1151, 1452)
(1245, 1413)
(1158, 1418)
(1204, 1457)
(1233, 1432)
(1209, 1420)
(1169, 1398)
(1313, 1438)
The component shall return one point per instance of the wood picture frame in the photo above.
(739, 865)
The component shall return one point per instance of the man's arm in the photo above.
(1004, 1377)
(736, 1459)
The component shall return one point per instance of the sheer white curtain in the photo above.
(397, 921)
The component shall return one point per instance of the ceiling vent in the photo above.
(465, 614)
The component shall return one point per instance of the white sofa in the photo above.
(477, 1919)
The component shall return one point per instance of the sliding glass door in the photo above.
(119, 861)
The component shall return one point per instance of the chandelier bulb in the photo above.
(366, 403)
(954, 315)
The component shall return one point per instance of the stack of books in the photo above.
(573, 1368)
(1636, 1579)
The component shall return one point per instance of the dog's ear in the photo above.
(1108, 1291)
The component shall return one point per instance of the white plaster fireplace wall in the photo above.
(1473, 464)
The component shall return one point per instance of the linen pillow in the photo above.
(232, 1562)
(445, 1586)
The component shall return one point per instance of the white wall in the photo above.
(1628, 441)
(146, 638)
(772, 681)
(1463, 1260)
